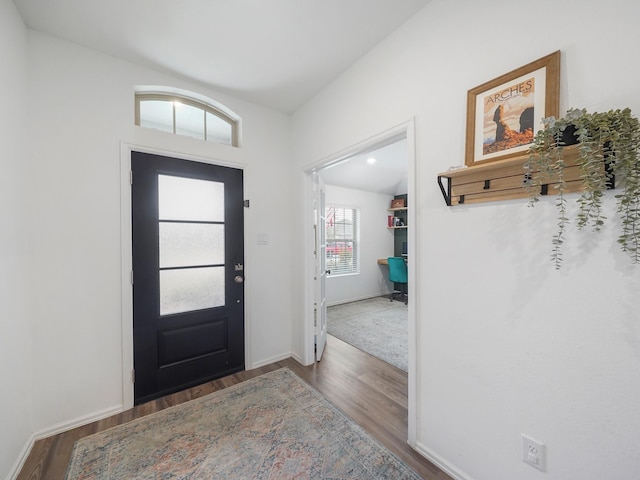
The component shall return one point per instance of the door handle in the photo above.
(238, 279)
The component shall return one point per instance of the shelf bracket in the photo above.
(445, 193)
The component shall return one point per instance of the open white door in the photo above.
(320, 273)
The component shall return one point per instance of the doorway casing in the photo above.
(406, 131)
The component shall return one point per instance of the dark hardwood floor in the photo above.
(370, 391)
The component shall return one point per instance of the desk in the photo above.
(384, 261)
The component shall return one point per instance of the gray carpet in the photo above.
(377, 326)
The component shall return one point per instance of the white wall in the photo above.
(81, 110)
(376, 241)
(505, 344)
(15, 328)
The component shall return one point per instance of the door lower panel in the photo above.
(197, 341)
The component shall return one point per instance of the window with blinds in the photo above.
(341, 225)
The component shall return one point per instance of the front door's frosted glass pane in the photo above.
(190, 289)
(190, 199)
(218, 130)
(189, 121)
(157, 114)
(191, 244)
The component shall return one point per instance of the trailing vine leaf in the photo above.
(545, 165)
(627, 169)
(609, 147)
(561, 204)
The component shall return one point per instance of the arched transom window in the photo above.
(182, 115)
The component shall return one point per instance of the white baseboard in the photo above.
(79, 422)
(357, 299)
(267, 361)
(440, 462)
(54, 430)
(298, 359)
(19, 463)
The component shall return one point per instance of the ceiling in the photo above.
(275, 53)
(384, 176)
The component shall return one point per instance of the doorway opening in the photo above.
(400, 135)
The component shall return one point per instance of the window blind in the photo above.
(342, 240)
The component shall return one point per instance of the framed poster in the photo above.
(504, 114)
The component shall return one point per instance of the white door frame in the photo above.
(126, 249)
(399, 132)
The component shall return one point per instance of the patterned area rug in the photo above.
(376, 325)
(271, 427)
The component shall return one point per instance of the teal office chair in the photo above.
(398, 275)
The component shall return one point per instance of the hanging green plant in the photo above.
(608, 146)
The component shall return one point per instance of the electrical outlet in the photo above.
(534, 453)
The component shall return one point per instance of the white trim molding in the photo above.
(56, 429)
(441, 463)
(268, 361)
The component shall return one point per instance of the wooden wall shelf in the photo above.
(503, 180)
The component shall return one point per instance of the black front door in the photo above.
(188, 273)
